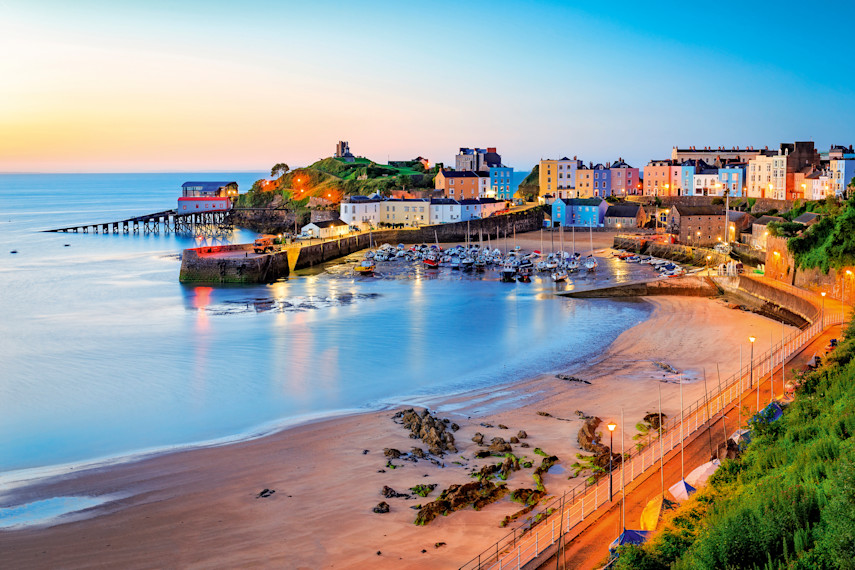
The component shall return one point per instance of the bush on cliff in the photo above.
(788, 502)
(829, 243)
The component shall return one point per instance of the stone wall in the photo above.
(324, 215)
(688, 286)
(679, 253)
(198, 268)
(761, 204)
(760, 290)
(780, 266)
(265, 220)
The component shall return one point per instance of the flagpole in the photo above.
(709, 419)
(661, 447)
(682, 444)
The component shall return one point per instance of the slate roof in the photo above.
(459, 174)
(582, 201)
(208, 186)
(699, 210)
(328, 223)
(623, 211)
(807, 218)
(763, 220)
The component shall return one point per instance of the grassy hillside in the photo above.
(787, 502)
(334, 179)
(529, 188)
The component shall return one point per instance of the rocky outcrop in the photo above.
(382, 507)
(434, 432)
(588, 438)
(479, 494)
(498, 445)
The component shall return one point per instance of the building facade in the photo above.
(602, 180)
(444, 211)
(842, 172)
(661, 178)
(458, 184)
(707, 183)
(477, 159)
(699, 226)
(501, 183)
(579, 212)
(360, 212)
(411, 213)
(732, 178)
(625, 180)
(711, 155)
(326, 230)
(625, 216)
(557, 178)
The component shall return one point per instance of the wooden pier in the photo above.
(169, 221)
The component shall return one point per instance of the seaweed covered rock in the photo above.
(478, 438)
(588, 438)
(528, 497)
(508, 466)
(433, 431)
(522, 434)
(391, 493)
(392, 452)
(382, 507)
(541, 471)
(456, 497)
(499, 445)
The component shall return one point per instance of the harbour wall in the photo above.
(680, 253)
(787, 300)
(196, 267)
(687, 286)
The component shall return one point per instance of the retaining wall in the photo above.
(198, 268)
(680, 253)
(689, 286)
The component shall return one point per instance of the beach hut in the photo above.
(628, 537)
(698, 477)
(681, 490)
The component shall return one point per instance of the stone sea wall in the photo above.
(679, 253)
(687, 286)
(198, 268)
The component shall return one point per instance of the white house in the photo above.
(484, 189)
(361, 211)
(767, 176)
(444, 211)
(326, 230)
(490, 206)
(707, 183)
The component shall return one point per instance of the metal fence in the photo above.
(562, 514)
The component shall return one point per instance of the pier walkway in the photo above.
(168, 221)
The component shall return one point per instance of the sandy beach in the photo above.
(199, 508)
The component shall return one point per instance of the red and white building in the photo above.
(199, 197)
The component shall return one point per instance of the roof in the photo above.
(623, 211)
(470, 202)
(582, 201)
(328, 223)
(763, 220)
(208, 186)
(489, 201)
(359, 199)
(441, 201)
(807, 218)
(620, 164)
(709, 171)
(459, 174)
(699, 210)
(736, 215)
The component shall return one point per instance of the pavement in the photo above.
(587, 545)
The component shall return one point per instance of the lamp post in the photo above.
(751, 374)
(698, 240)
(709, 258)
(822, 314)
(849, 273)
(611, 427)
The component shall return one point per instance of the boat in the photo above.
(509, 273)
(431, 261)
(590, 263)
(573, 265)
(559, 275)
(455, 261)
(524, 275)
(366, 267)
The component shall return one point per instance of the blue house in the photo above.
(579, 212)
(502, 182)
(602, 181)
(732, 178)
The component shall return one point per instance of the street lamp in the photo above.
(751, 367)
(849, 273)
(822, 318)
(698, 240)
(709, 258)
(611, 426)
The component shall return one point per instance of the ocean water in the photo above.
(104, 354)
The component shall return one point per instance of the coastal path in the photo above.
(567, 516)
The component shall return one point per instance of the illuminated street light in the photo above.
(611, 426)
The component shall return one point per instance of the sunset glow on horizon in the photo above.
(98, 87)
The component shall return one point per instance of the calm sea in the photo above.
(104, 354)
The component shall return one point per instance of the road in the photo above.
(588, 548)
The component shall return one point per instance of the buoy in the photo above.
(14, 251)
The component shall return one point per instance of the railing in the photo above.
(564, 513)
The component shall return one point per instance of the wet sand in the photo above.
(198, 508)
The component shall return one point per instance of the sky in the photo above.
(128, 86)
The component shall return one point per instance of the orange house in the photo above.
(458, 184)
(659, 179)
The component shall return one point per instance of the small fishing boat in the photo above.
(591, 263)
(524, 275)
(455, 261)
(559, 275)
(366, 267)
(431, 261)
(509, 273)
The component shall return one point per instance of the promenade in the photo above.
(726, 406)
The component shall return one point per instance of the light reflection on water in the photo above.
(104, 353)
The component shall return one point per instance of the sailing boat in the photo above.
(591, 261)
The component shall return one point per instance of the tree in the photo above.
(279, 169)
(403, 181)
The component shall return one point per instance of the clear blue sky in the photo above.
(214, 85)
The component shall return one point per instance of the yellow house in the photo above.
(557, 178)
